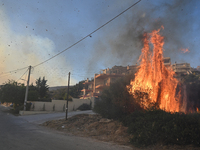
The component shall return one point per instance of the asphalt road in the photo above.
(18, 133)
(41, 118)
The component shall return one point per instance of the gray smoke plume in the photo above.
(122, 45)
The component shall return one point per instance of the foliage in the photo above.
(157, 126)
(58, 94)
(16, 109)
(193, 96)
(65, 97)
(42, 87)
(151, 126)
(33, 95)
(74, 92)
(192, 83)
(12, 92)
(115, 101)
(84, 107)
(191, 78)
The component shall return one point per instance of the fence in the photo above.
(60, 105)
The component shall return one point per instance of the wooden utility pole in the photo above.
(67, 96)
(26, 95)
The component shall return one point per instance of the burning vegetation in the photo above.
(154, 83)
(175, 98)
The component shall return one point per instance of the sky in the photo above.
(35, 30)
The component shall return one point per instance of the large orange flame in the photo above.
(153, 78)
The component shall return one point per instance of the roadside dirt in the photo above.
(94, 126)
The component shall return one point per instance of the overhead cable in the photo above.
(22, 75)
(89, 35)
(9, 72)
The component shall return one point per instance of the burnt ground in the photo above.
(94, 126)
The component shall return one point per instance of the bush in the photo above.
(192, 83)
(28, 106)
(115, 101)
(17, 108)
(44, 99)
(84, 107)
(157, 126)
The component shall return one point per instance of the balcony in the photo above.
(87, 90)
(100, 86)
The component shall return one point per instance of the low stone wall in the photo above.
(60, 105)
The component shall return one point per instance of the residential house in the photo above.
(94, 87)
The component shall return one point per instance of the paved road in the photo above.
(41, 118)
(18, 133)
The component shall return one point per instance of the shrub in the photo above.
(157, 126)
(16, 109)
(115, 101)
(84, 107)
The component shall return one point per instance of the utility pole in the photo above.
(26, 95)
(67, 96)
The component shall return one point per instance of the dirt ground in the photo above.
(94, 126)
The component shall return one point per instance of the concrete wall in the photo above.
(59, 105)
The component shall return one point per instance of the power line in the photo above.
(22, 75)
(9, 72)
(89, 35)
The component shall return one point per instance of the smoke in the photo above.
(20, 50)
(121, 43)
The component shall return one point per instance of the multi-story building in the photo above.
(182, 68)
(167, 61)
(87, 91)
(198, 68)
(94, 87)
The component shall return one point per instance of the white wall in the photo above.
(59, 105)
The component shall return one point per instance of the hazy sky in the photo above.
(31, 31)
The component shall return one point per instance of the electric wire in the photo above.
(9, 72)
(26, 77)
(22, 75)
(89, 35)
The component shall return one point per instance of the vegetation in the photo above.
(157, 126)
(84, 107)
(74, 92)
(116, 102)
(152, 126)
(13, 92)
(42, 87)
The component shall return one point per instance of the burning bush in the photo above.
(151, 105)
(154, 78)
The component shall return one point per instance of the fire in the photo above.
(185, 50)
(153, 78)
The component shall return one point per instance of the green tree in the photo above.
(75, 90)
(12, 92)
(42, 87)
